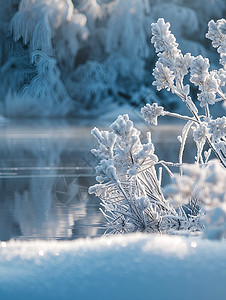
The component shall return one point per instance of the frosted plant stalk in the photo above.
(170, 71)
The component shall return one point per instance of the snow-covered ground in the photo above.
(136, 266)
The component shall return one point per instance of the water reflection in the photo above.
(34, 211)
(45, 170)
(45, 173)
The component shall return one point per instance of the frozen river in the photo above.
(45, 170)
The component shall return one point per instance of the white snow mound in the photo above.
(135, 266)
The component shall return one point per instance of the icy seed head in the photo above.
(152, 112)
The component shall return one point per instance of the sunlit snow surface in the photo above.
(136, 266)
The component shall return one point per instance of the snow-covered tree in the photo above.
(37, 48)
(126, 36)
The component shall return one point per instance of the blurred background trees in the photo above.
(67, 58)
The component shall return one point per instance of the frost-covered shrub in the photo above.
(129, 188)
(37, 22)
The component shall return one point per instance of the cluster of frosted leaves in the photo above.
(209, 82)
(128, 186)
(203, 185)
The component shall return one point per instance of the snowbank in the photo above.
(136, 266)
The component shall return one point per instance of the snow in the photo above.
(135, 266)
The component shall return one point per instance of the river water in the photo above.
(45, 170)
